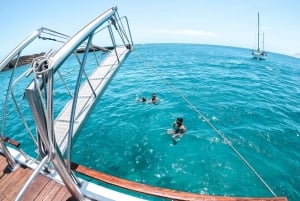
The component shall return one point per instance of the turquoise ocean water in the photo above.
(254, 104)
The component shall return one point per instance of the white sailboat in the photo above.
(259, 54)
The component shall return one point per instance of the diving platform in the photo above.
(89, 92)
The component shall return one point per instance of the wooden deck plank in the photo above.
(4, 178)
(11, 181)
(52, 192)
(35, 188)
(61, 194)
(42, 188)
(21, 174)
(44, 194)
(4, 198)
(3, 163)
(20, 180)
(68, 197)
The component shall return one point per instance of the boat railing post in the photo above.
(129, 32)
(122, 31)
(5, 151)
(75, 98)
(10, 160)
(113, 41)
(87, 77)
(42, 123)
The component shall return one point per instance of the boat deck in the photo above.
(86, 97)
(42, 188)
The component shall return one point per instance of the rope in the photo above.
(201, 116)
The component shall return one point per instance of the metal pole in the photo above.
(73, 111)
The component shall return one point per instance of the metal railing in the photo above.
(40, 91)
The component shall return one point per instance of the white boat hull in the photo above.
(259, 55)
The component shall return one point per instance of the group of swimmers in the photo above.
(178, 128)
(153, 99)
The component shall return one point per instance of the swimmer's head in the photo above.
(179, 120)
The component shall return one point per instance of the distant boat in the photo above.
(259, 53)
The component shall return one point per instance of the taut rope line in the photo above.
(210, 124)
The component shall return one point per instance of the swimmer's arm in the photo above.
(177, 135)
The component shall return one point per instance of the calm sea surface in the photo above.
(254, 104)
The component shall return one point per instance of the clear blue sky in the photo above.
(230, 22)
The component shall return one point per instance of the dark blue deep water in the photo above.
(254, 104)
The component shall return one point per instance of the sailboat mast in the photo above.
(263, 42)
(258, 31)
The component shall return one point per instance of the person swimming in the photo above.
(143, 99)
(178, 130)
(154, 99)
